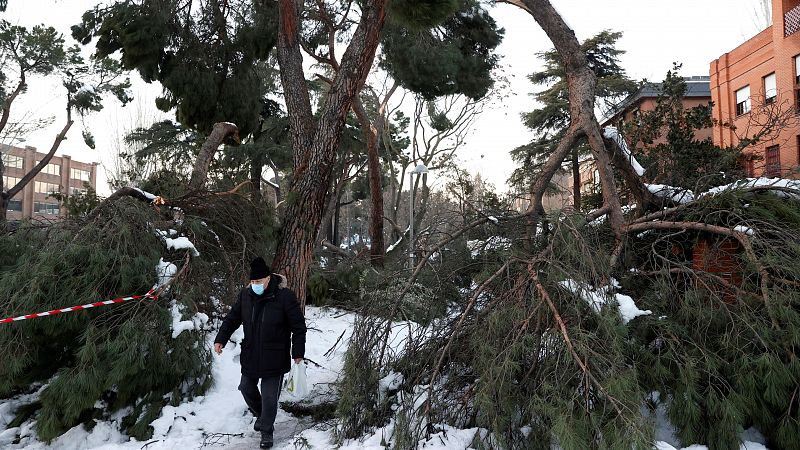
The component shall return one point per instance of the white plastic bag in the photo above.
(297, 383)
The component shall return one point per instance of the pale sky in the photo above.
(656, 34)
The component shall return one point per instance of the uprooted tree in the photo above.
(546, 348)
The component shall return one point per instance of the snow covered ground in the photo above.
(220, 420)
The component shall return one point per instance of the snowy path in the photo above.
(220, 412)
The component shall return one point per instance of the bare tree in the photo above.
(42, 51)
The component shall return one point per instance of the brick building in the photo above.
(757, 79)
(62, 175)
(698, 93)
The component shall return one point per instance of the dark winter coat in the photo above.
(274, 329)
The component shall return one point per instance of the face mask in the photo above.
(257, 288)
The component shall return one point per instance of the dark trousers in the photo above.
(263, 404)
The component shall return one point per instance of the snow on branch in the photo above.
(598, 297)
(613, 134)
(676, 194)
(782, 187)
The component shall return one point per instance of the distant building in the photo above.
(698, 93)
(761, 75)
(61, 174)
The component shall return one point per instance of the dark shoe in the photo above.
(257, 425)
(266, 440)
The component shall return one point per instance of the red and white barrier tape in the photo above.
(80, 307)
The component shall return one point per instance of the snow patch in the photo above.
(676, 194)
(196, 322)
(178, 243)
(743, 229)
(394, 245)
(598, 297)
(164, 271)
(478, 246)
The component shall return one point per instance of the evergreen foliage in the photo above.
(96, 362)
(726, 359)
(211, 67)
(454, 57)
(713, 352)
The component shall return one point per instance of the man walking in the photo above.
(274, 329)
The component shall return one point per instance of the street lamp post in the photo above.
(419, 170)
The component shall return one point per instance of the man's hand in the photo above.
(218, 348)
(298, 360)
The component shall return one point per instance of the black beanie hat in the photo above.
(259, 269)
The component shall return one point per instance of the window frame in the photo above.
(48, 208)
(6, 184)
(74, 171)
(746, 105)
(7, 158)
(48, 169)
(772, 168)
(750, 168)
(797, 69)
(15, 202)
(55, 188)
(767, 99)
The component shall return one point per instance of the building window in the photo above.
(773, 169)
(750, 168)
(743, 101)
(797, 69)
(770, 88)
(51, 169)
(13, 162)
(77, 191)
(15, 205)
(78, 174)
(45, 188)
(9, 182)
(798, 151)
(45, 208)
(797, 101)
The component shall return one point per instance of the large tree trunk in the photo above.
(581, 83)
(315, 147)
(200, 172)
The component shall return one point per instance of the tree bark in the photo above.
(3, 209)
(576, 180)
(256, 167)
(643, 197)
(9, 100)
(200, 172)
(314, 148)
(581, 84)
(372, 132)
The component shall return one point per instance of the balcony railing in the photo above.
(791, 21)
